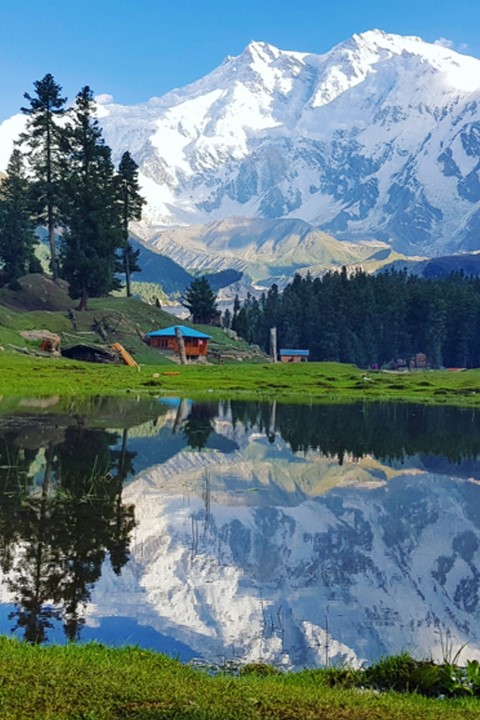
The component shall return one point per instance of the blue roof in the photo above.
(288, 351)
(187, 332)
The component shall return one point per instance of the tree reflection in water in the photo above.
(199, 424)
(390, 432)
(58, 524)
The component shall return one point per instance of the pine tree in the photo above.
(17, 229)
(43, 138)
(92, 214)
(227, 319)
(236, 310)
(292, 332)
(200, 300)
(131, 203)
(271, 316)
(242, 327)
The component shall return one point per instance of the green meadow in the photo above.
(235, 369)
(306, 383)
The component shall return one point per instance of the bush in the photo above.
(258, 669)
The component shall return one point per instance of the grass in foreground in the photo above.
(92, 682)
(312, 382)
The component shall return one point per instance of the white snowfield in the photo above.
(377, 139)
(370, 140)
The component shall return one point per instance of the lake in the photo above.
(296, 535)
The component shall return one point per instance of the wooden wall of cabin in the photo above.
(193, 346)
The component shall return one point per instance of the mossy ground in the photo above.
(98, 683)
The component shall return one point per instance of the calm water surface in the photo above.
(297, 535)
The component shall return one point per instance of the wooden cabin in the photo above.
(288, 355)
(196, 342)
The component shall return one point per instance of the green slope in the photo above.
(39, 304)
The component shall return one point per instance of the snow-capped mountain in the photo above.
(378, 138)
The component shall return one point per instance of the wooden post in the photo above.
(273, 344)
(181, 346)
(272, 423)
(179, 416)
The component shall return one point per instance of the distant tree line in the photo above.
(369, 320)
(61, 176)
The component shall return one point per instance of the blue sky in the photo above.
(136, 49)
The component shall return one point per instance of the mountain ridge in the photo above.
(369, 140)
(376, 139)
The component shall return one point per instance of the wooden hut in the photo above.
(288, 355)
(196, 342)
(88, 352)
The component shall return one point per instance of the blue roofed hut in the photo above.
(196, 342)
(289, 355)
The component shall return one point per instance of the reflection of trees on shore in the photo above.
(388, 431)
(198, 425)
(57, 526)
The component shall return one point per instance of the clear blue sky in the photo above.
(136, 49)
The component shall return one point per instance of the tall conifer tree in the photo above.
(131, 203)
(43, 137)
(200, 300)
(17, 229)
(92, 214)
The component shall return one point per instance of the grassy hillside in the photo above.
(39, 304)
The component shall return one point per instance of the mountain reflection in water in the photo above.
(292, 534)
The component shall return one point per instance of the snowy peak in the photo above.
(376, 52)
(261, 52)
(375, 45)
(379, 138)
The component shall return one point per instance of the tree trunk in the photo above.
(51, 242)
(83, 300)
(127, 272)
(50, 220)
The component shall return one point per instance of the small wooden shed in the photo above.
(196, 342)
(88, 352)
(288, 355)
